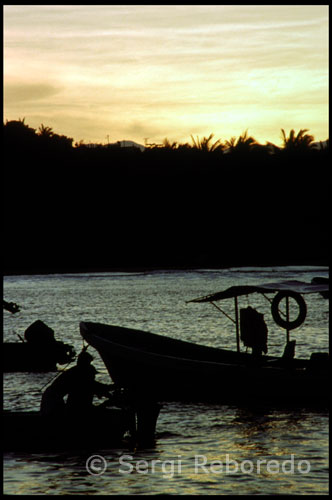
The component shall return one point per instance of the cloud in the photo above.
(22, 92)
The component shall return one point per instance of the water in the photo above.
(200, 449)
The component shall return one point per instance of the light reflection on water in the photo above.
(156, 302)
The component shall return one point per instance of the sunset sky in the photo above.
(134, 72)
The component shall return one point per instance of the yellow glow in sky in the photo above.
(134, 72)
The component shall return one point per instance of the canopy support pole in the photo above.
(237, 325)
(219, 309)
(236, 321)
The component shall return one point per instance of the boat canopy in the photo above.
(284, 286)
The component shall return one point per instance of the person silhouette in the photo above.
(79, 384)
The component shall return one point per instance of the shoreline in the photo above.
(146, 268)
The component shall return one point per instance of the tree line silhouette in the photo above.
(18, 133)
(207, 202)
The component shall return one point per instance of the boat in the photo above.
(103, 428)
(31, 431)
(38, 351)
(168, 369)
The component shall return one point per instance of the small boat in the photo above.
(32, 431)
(38, 351)
(102, 428)
(174, 370)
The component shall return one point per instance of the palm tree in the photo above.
(205, 144)
(45, 131)
(243, 144)
(300, 142)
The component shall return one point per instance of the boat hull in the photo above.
(172, 370)
(24, 357)
(31, 431)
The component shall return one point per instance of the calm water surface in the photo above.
(200, 449)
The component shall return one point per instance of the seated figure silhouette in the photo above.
(254, 331)
(79, 384)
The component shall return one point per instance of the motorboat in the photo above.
(169, 369)
(37, 351)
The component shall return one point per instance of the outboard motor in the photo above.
(41, 339)
(39, 333)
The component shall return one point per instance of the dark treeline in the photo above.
(206, 203)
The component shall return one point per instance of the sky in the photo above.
(103, 73)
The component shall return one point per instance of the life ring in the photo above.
(289, 325)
